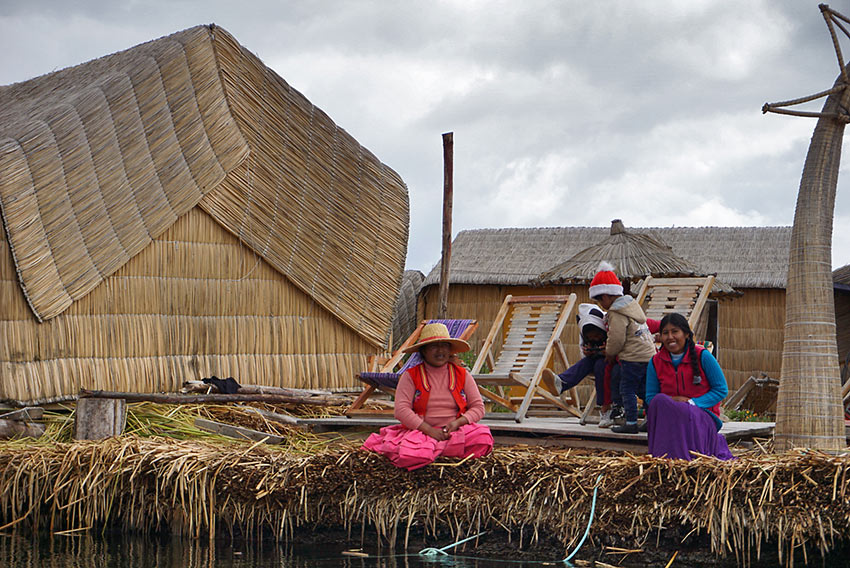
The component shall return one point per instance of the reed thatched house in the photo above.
(841, 291)
(746, 318)
(404, 315)
(177, 210)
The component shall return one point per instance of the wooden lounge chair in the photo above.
(534, 327)
(661, 296)
(687, 296)
(385, 378)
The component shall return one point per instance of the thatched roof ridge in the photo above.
(841, 277)
(98, 159)
(742, 257)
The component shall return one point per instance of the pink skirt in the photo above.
(412, 449)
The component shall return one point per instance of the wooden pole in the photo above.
(216, 398)
(448, 191)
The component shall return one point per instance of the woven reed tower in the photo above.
(809, 412)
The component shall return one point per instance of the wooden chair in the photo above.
(385, 378)
(533, 334)
(687, 296)
(661, 296)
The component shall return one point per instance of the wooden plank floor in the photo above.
(561, 431)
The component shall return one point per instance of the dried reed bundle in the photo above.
(792, 500)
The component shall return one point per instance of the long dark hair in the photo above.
(678, 320)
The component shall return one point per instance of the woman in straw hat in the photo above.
(438, 405)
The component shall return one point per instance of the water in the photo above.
(85, 551)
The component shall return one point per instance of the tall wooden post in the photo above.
(448, 191)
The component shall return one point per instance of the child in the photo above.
(629, 340)
(592, 337)
(438, 405)
(684, 387)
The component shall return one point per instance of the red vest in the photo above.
(679, 381)
(457, 379)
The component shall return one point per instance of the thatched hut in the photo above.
(177, 210)
(841, 295)
(746, 317)
(404, 315)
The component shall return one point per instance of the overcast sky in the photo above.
(564, 112)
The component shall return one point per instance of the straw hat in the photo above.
(438, 333)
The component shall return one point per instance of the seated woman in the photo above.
(684, 387)
(438, 405)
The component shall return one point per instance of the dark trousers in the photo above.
(582, 368)
(632, 386)
(594, 365)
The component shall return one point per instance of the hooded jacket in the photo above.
(628, 335)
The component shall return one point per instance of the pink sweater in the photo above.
(442, 408)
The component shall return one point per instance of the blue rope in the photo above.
(589, 521)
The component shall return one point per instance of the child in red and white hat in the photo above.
(629, 340)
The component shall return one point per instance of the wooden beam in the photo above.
(448, 195)
(20, 429)
(166, 398)
(236, 432)
(27, 414)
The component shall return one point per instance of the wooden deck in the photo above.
(559, 432)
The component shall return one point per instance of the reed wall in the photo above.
(750, 328)
(842, 322)
(750, 334)
(196, 302)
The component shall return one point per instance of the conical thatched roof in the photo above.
(742, 257)
(633, 256)
(98, 159)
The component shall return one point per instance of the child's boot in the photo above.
(627, 428)
(618, 415)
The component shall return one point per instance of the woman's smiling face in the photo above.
(437, 354)
(673, 338)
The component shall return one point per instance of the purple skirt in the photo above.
(677, 428)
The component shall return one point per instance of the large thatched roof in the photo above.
(98, 159)
(742, 257)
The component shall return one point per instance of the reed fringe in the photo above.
(794, 500)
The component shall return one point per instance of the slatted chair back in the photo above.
(687, 296)
(534, 327)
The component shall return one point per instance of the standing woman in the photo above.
(684, 387)
(438, 405)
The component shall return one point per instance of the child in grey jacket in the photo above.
(629, 340)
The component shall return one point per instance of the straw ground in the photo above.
(204, 488)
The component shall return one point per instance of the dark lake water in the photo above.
(21, 551)
(28, 551)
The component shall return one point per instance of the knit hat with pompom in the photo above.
(605, 282)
